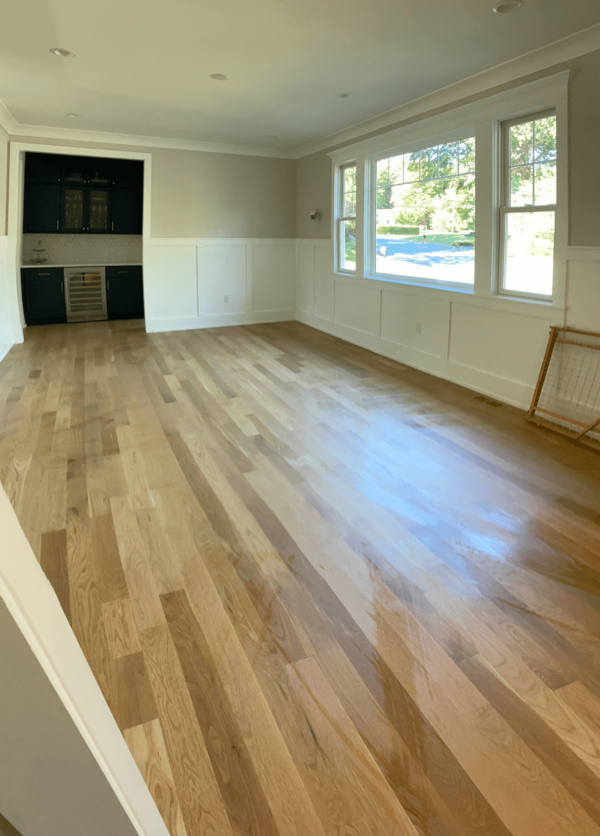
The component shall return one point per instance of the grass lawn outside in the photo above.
(439, 238)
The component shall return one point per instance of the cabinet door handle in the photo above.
(108, 284)
(43, 274)
(113, 226)
(57, 224)
(123, 271)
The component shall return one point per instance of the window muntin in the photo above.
(528, 210)
(424, 206)
(347, 219)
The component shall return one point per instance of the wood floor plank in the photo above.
(201, 803)
(244, 799)
(322, 592)
(133, 696)
(147, 745)
(120, 628)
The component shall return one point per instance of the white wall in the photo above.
(65, 769)
(493, 346)
(6, 335)
(186, 282)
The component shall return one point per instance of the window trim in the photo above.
(466, 132)
(486, 114)
(340, 219)
(505, 209)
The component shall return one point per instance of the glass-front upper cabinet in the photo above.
(75, 170)
(73, 210)
(99, 172)
(98, 210)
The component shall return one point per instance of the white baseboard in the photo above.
(158, 325)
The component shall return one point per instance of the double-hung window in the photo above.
(528, 206)
(423, 211)
(346, 219)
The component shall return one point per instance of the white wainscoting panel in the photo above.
(415, 323)
(273, 284)
(6, 334)
(171, 288)
(324, 281)
(222, 273)
(358, 307)
(504, 345)
(306, 277)
(186, 281)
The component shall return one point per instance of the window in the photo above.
(347, 219)
(424, 214)
(528, 208)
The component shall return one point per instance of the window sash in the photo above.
(343, 218)
(371, 260)
(506, 209)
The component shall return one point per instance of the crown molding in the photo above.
(6, 120)
(540, 59)
(14, 129)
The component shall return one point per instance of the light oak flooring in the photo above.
(323, 594)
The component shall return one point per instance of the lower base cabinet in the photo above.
(124, 292)
(44, 294)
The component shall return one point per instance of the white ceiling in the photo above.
(143, 66)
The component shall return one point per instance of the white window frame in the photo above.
(341, 218)
(483, 119)
(506, 209)
(370, 251)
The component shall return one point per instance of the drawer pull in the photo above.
(123, 271)
(43, 274)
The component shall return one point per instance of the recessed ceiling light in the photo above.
(73, 115)
(507, 6)
(62, 53)
(219, 76)
(344, 95)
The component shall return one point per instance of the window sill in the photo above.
(468, 290)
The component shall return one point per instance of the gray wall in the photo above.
(313, 177)
(50, 784)
(196, 194)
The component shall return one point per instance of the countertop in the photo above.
(87, 264)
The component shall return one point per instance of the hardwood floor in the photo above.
(323, 594)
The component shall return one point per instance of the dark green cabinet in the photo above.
(98, 210)
(43, 168)
(126, 212)
(85, 210)
(42, 208)
(73, 209)
(124, 292)
(82, 195)
(43, 295)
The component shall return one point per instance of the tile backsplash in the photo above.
(84, 249)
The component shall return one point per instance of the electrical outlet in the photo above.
(226, 298)
(418, 327)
